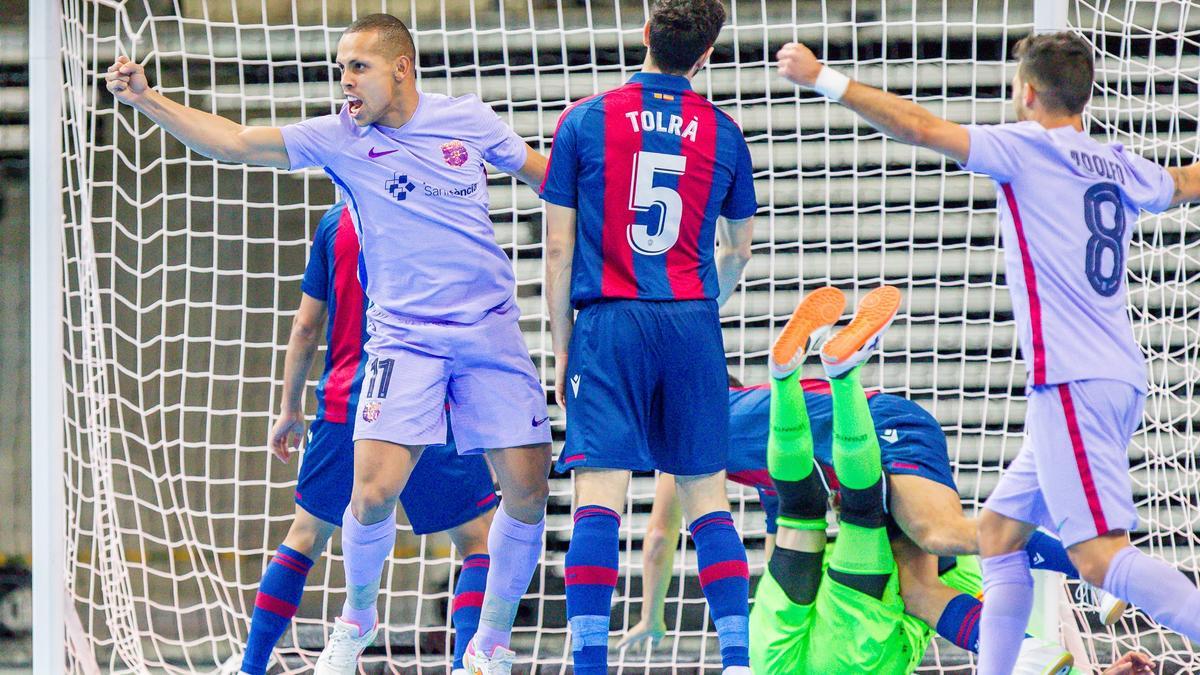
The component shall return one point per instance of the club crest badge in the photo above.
(455, 153)
(371, 411)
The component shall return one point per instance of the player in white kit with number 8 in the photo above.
(1068, 206)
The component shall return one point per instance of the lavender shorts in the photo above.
(481, 373)
(1072, 474)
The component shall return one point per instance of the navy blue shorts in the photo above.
(646, 388)
(327, 477)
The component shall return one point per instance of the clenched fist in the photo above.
(126, 80)
(798, 64)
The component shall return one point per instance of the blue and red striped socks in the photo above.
(591, 577)
(959, 622)
(278, 599)
(725, 578)
(468, 598)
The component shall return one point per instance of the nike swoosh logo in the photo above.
(538, 423)
(372, 154)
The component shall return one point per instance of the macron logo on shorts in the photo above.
(890, 435)
(575, 384)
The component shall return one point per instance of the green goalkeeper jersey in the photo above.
(844, 630)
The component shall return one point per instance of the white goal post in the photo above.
(45, 401)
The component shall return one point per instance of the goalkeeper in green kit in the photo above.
(836, 608)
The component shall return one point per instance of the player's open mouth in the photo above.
(355, 104)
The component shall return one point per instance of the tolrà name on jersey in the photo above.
(648, 120)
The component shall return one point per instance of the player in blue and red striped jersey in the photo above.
(642, 180)
(331, 287)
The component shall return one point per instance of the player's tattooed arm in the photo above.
(897, 117)
(533, 170)
(302, 346)
(208, 134)
(734, 237)
(560, 253)
(1187, 184)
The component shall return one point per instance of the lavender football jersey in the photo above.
(1068, 206)
(419, 198)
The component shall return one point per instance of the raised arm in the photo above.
(302, 344)
(734, 237)
(560, 253)
(658, 548)
(208, 134)
(897, 117)
(1187, 184)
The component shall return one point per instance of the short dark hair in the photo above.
(1060, 66)
(393, 35)
(681, 31)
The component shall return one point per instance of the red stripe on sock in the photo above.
(591, 575)
(968, 625)
(1081, 461)
(306, 564)
(289, 563)
(590, 511)
(476, 562)
(471, 599)
(274, 605)
(724, 570)
(714, 521)
(486, 500)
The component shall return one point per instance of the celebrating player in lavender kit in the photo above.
(642, 179)
(443, 318)
(1067, 212)
(331, 289)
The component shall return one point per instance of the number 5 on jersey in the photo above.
(644, 195)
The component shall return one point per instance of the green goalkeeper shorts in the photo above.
(844, 630)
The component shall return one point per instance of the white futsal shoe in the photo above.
(1039, 657)
(499, 663)
(459, 671)
(340, 656)
(1109, 607)
(736, 670)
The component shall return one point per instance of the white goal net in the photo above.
(181, 275)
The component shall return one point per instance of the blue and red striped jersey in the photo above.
(648, 167)
(331, 276)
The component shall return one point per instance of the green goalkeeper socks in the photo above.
(862, 557)
(855, 445)
(789, 444)
(803, 498)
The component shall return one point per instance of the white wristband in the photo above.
(831, 84)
